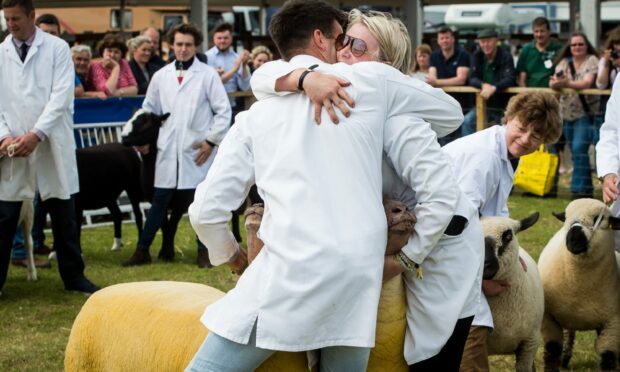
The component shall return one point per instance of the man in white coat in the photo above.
(194, 95)
(36, 140)
(316, 283)
(608, 154)
(484, 164)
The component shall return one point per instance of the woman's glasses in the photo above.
(358, 46)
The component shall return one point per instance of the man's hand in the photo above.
(328, 90)
(25, 144)
(220, 70)
(245, 57)
(487, 90)
(431, 80)
(391, 268)
(610, 187)
(239, 263)
(4, 146)
(143, 149)
(492, 288)
(204, 151)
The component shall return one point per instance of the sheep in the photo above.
(518, 311)
(25, 221)
(580, 276)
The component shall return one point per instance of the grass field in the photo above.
(36, 318)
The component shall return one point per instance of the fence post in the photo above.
(481, 112)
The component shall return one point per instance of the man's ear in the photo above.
(318, 39)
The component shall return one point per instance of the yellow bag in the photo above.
(536, 172)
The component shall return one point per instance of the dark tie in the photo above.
(24, 51)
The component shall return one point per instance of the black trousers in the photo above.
(64, 230)
(449, 358)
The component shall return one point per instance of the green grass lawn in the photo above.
(36, 317)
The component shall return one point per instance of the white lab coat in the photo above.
(199, 110)
(316, 283)
(38, 94)
(485, 176)
(608, 146)
(452, 265)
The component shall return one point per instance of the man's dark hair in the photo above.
(110, 41)
(446, 30)
(541, 21)
(187, 29)
(26, 5)
(223, 27)
(48, 19)
(292, 26)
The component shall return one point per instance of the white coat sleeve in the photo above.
(4, 128)
(220, 105)
(607, 148)
(412, 149)
(152, 101)
(226, 186)
(263, 80)
(62, 92)
(478, 175)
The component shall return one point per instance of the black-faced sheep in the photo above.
(580, 276)
(518, 311)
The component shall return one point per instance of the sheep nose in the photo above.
(576, 240)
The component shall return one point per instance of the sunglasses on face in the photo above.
(358, 46)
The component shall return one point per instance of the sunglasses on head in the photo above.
(358, 46)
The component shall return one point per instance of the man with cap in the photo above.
(492, 69)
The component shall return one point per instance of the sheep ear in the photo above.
(528, 222)
(164, 116)
(560, 215)
(614, 223)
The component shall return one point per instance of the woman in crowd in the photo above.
(140, 52)
(112, 74)
(576, 68)
(258, 56)
(454, 264)
(422, 62)
(609, 65)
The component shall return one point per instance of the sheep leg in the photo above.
(253, 218)
(525, 355)
(135, 196)
(567, 353)
(607, 346)
(26, 217)
(552, 338)
(117, 219)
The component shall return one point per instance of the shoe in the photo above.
(83, 285)
(203, 259)
(40, 263)
(42, 250)
(138, 258)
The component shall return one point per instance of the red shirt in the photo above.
(98, 75)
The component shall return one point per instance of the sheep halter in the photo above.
(597, 224)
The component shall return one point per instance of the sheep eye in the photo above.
(507, 237)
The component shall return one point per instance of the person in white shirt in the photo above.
(484, 164)
(199, 118)
(316, 283)
(608, 154)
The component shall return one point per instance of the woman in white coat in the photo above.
(443, 302)
(36, 125)
(484, 165)
(193, 94)
(608, 154)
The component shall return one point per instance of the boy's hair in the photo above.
(223, 27)
(186, 29)
(539, 111)
(26, 5)
(391, 35)
(292, 26)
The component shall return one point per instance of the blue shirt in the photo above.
(446, 68)
(226, 60)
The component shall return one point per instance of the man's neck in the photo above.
(544, 46)
(491, 57)
(223, 50)
(30, 36)
(313, 53)
(448, 52)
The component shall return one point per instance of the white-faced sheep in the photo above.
(518, 311)
(580, 276)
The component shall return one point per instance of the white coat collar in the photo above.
(305, 60)
(36, 43)
(196, 66)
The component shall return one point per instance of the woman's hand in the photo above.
(558, 82)
(492, 288)
(328, 90)
(391, 268)
(109, 63)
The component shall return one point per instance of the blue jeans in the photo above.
(19, 251)
(579, 135)
(218, 354)
(469, 122)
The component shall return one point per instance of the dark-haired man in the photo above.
(36, 142)
(48, 23)
(199, 118)
(316, 283)
(536, 59)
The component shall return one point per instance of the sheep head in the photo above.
(588, 224)
(400, 222)
(142, 128)
(501, 245)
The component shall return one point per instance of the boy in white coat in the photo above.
(484, 164)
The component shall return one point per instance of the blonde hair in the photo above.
(136, 43)
(422, 48)
(261, 49)
(391, 34)
(539, 111)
